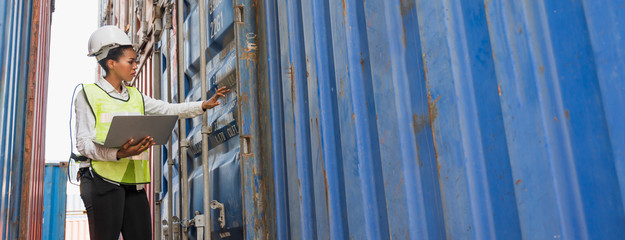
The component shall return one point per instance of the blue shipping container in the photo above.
(443, 119)
(24, 48)
(224, 151)
(54, 201)
(387, 119)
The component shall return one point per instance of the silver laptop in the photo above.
(124, 128)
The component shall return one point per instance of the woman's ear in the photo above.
(110, 63)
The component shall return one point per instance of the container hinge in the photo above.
(184, 143)
(238, 14)
(157, 198)
(176, 225)
(168, 18)
(198, 222)
(165, 228)
(207, 130)
(157, 29)
(222, 212)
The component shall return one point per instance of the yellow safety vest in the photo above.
(132, 170)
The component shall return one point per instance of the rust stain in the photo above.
(438, 168)
(555, 119)
(386, 182)
(406, 7)
(325, 180)
(403, 37)
(541, 69)
(341, 91)
(243, 97)
(433, 109)
(291, 76)
(387, 65)
(398, 185)
(353, 116)
(419, 123)
(344, 12)
(517, 182)
(425, 69)
(566, 113)
(499, 89)
(248, 55)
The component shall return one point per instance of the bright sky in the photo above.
(72, 24)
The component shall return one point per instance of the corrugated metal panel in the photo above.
(55, 201)
(77, 228)
(143, 82)
(34, 144)
(443, 119)
(16, 23)
(408, 119)
(24, 52)
(76, 222)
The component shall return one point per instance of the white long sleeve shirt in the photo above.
(85, 121)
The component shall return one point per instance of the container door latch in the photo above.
(198, 222)
(222, 212)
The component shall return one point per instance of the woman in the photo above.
(111, 181)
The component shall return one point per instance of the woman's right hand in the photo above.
(129, 149)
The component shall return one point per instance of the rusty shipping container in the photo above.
(442, 119)
(24, 55)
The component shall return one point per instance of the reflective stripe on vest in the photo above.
(133, 170)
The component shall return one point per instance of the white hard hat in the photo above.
(105, 39)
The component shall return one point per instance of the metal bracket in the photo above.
(222, 212)
(157, 198)
(198, 221)
(246, 144)
(184, 143)
(168, 17)
(165, 228)
(238, 14)
(157, 28)
(176, 225)
(207, 130)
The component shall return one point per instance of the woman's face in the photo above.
(126, 67)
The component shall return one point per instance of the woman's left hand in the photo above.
(212, 102)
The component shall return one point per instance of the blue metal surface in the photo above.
(443, 119)
(412, 119)
(606, 26)
(276, 136)
(54, 202)
(15, 23)
(224, 150)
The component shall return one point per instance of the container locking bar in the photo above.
(198, 222)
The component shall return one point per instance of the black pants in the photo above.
(112, 209)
